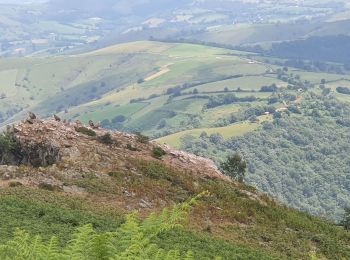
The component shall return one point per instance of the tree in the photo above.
(118, 119)
(140, 81)
(277, 115)
(346, 219)
(216, 138)
(162, 124)
(326, 91)
(8, 147)
(235, 167)
(343, 90)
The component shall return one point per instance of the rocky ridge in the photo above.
(50, 148)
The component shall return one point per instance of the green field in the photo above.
(245, 83)
(227, 132)
(110, 112)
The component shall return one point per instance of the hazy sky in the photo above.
(21, 1)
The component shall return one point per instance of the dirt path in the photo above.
(163, 70)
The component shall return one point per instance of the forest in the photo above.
(326, 48)
(301, 158)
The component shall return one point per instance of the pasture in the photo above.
(227, 132)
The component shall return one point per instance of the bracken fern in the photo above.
(131, 241)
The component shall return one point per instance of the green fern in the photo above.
(131, 241)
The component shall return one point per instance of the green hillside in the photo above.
(98, 81)
(85, 199)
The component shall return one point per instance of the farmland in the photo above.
(157, 88)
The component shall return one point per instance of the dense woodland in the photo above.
(300, 159)
(327, 48)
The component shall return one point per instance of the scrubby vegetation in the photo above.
(105, 139)
(8, 148)
(249, 230)
(158, 152)
(86, 131)
(142, 138)
(345, 222)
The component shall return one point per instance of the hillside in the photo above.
(72, 175)
(178, 94)
(104, 82)
(167, 84)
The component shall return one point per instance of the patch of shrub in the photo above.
(154, 170)
(131, 148)
(48, 186)
(105, 139)
(158, 152)
(142, 138)
(15, 184)
(8, 148)
(85, 131)
(115, 174)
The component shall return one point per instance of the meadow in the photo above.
(234, 130)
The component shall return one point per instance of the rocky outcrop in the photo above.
(78, 148)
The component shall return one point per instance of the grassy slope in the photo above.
(230, 223)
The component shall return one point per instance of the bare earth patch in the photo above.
(163, 70)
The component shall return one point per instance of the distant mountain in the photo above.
(112, 9)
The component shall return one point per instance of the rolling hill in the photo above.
(110, 75)
(137, 80)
